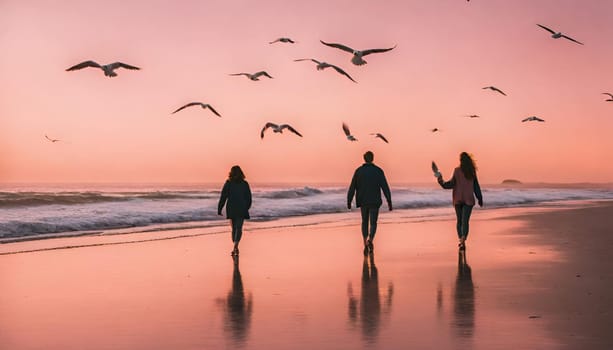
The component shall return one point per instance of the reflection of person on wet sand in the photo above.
(464, 299)
(369, 311)
(238, 309)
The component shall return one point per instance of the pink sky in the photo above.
(120, 129)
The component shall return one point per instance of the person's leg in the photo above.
(365, 217)
(458, 214)
(373, 216)
(466, 211)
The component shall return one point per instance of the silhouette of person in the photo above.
(367, 183)
(238, 309)
(464, 298)
(237, 193)
(465, 187)
(368, 310)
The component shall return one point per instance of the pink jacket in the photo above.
(464, 190)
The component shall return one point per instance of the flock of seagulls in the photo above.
(357, 59)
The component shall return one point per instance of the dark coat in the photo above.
(238, 196)
(367, 183)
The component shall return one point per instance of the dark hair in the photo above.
(236, 174)
(368, 157)
(467, 165)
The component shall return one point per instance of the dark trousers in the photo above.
(369, 214)
(237, 229)
(462, 213)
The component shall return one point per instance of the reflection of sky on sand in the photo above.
(176, 294)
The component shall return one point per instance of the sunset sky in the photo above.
(121, 129)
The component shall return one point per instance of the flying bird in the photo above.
(493, 88)
(324, 65)
(357, 54)
(203, 105)
(108, 69)
(472, 116)
(533, 119)
(278, 128)
(348, 133)
(283, 40)
(557, 35)
(51, 140)
(380, 136)
(610, 95)
(435, 130)
(254, 76)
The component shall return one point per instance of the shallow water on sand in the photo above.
(293, 288)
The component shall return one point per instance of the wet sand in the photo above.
(309, 286)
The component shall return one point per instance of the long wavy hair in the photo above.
(236, 174)
(467, 165)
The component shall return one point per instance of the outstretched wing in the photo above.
(346, 129)
(571, 39)
(343, 72)
(212, 109)
(187, 105)
(260, 73)
(498, 90)
(381, 137)
(307, 59)
(368, 52)
(539, 119)
(526, 119)
(286, 126)
(83, 65)
(268, 125)
(247, 74)
(608, 93)
(274, 41)
(338, 46)
(116, 65)
(547, 29)
(52, 140)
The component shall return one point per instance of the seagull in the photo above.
(109, 69)
(324, 65)
(609, 94)
(472, 116)
(533, 119)
(348, 133)
(435, 130)
(203, 105)
(357, 54)
(493, 88)
(278, 128)
(380, 136)
(51, 140)
(557, 35)
(283, 40)
(254, 76)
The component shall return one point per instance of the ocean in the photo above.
(32, 211)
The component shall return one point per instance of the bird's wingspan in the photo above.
(571, 39)
(291, 129)
(547, 29)
(83, 65)
(343, 72)
(368, 52)
(123, 65)
(338, 46)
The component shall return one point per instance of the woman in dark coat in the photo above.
(237, 194)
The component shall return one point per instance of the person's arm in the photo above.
(386, 190)
(351, 191)
(223, 198)
(248, 196)
(477, 190)
(446, 185)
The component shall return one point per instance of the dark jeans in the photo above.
(462, 213)
(369, 214)
(237, 229)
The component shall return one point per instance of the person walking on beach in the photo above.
(465, 187)
(237, 194)
(367, 183)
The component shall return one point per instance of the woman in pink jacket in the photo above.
(465, 187)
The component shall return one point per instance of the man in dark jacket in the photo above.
(367, 183)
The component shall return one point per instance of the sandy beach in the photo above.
(531, 278)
